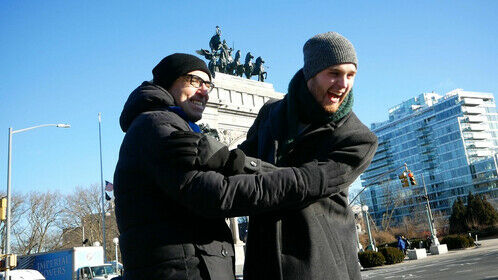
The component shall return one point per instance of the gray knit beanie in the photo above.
(324, 50)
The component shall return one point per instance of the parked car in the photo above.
(23, 274)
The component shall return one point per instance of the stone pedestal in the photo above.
(239, 247)
(439, 249)
(240, 251)
(417, 254)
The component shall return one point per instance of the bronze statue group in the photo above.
(221, 60)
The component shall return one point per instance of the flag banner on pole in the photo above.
(109, 186)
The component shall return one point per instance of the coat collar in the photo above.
(278, 118)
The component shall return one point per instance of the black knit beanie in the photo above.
(324, 50)
(177, 65)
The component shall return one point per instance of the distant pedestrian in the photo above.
(401, 244)
(407, 243)
(429, 241)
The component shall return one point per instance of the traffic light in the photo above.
(12, 260)
(3, 263)
(412, 179)
(3, 209)
(8, 261)
(404, 180)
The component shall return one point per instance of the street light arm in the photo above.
(61, 125)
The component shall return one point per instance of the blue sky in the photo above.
(65, 61)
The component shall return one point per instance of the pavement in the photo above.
(466, 264)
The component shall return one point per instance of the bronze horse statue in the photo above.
(255, 70)
(259, 69)
(235, 67)
(248, 65)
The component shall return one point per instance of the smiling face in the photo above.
(192, 100)
(331, 86)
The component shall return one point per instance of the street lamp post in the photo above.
(116, 242)
(367, 222)
(9, 212)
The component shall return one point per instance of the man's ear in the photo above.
(309, 83)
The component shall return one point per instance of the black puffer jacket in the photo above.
(171, 221)
(317, 241)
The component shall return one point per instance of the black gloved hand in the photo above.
(322, 179)
(195, 151)
(235, 163)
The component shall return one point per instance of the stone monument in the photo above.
(233, 105)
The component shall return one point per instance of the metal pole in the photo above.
(116, 246)
(367, 221)
(429, 220)
(7, 222)
(82, 234)
(432, 227)
(102, 188)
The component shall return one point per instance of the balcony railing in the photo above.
(475, 119)
(474, 110)
(472, 101)
(477, 127)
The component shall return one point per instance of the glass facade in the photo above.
(449, 142)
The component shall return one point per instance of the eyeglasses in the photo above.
(197, 82)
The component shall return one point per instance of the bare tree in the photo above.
(18, 211)
(82, 209)
(83, 214)
(391, 201)
(47, 221)
(37, 223)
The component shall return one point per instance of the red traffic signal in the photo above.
(412, 178)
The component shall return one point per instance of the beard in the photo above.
(322, 97)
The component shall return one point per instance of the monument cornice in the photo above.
(229, 82)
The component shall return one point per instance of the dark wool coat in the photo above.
(171, 221)
(317, 241)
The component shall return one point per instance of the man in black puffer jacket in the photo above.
(170, 217)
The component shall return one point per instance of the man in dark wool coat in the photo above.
(173, 186)
(313, 121)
